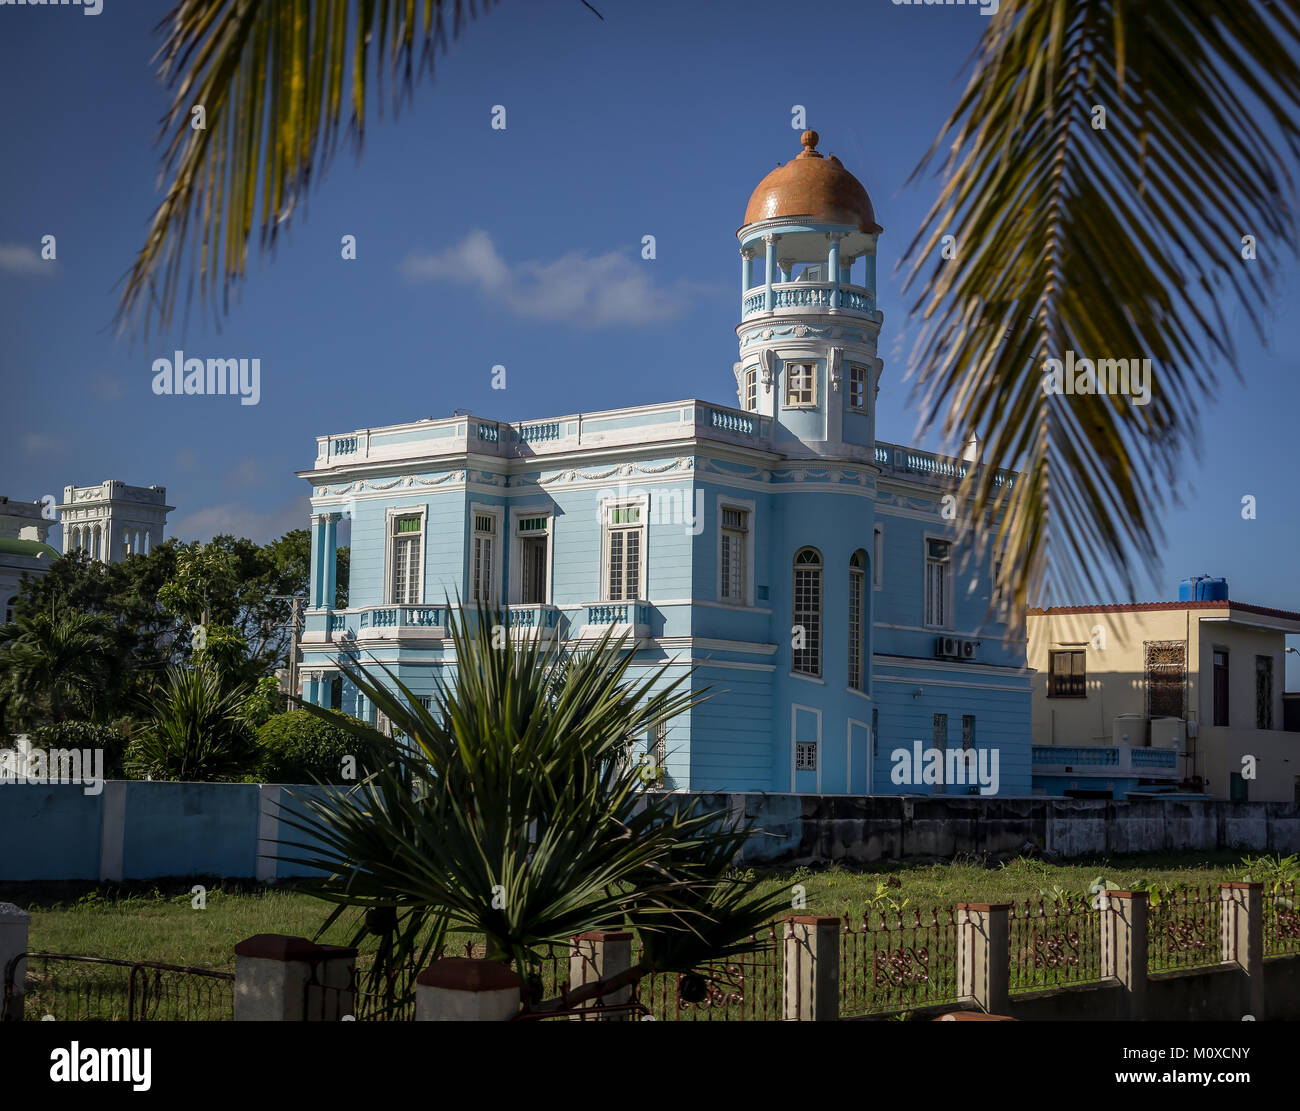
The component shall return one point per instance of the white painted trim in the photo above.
(711, 605)
(795, 707)
(750, 647)
(884, 659)
(748, 506)
(951, 683)
(421, 511)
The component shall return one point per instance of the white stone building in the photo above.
(22, 549)
(113, 520)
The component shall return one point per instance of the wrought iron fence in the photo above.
(1183, 929)
(1055, 943)
(1281, 919)
(897, 959)
(73, 988)
(747, 986)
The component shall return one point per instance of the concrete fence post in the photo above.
(467, 989)
(1241, 925)
(14, 924)
(279, 978)
(1124, 947)
(984, 955)
(812, 968)
(598, 955)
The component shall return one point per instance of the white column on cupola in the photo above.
(746, 271)
(771, 241)
(833, 266)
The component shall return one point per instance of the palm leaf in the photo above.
(270, 77)
(1116, 243)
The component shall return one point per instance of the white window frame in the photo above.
(751, 387)
(390, 513)
(795, 707)
(861, 370)
(878, 558)
(517, 514)
(787, 386)
(494, 581)
(607, 505)
(947, 582)
(746, 506)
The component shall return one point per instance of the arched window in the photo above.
(857, 619)
(806, 638)
(9, 608)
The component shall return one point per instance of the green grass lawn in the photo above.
(156, 921)
(159, 922)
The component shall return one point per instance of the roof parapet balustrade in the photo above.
(675, 420)
(793, 298)
(912, 462)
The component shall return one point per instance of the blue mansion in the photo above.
(803, 570)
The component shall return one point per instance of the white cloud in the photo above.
(592, 292)
(18, 259)
(247, 472)
(36, 444)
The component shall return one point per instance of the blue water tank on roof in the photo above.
(1203, 588)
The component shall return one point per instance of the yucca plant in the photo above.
(511, 808)
(195, 730)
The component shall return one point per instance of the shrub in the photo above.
(85, 734)
(196, 731)
(298, 747)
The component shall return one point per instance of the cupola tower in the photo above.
(809, 322)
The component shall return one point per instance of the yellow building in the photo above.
(1161, 697)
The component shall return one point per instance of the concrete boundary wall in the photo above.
(142, 830)
(138, 830)
(809, 829)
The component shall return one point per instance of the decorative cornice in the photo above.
(624, 470)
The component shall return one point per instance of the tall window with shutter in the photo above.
(406, 556)
(1066, 674)
(483, 559)
(938, 583)
(857, 619)
(806, 654)
(533, 537)
(735, 542)
(624, 547)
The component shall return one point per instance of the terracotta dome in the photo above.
(819, 189)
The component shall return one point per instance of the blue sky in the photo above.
(520, 247)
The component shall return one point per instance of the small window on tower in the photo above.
(857, 388)
(800, 384)
(751, 389)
